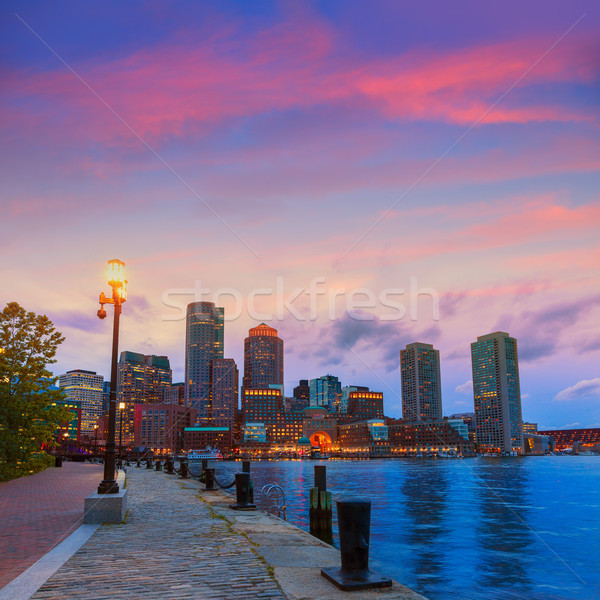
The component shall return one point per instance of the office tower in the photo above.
(326, 391)
(176, 394)
(142, 379)
(365, 405)
(160, 427)
(263, 358)
(203, 343)
(224, 392)
(85, 387)
(497, 393)
(105, 396)
(346, 390)
(301, 397)
(421, 382)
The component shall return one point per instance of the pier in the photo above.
(179, 540)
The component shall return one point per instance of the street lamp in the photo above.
(95, 438)
(118, 283)
(121, 407)
(64, 443)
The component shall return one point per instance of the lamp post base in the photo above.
(108, 487)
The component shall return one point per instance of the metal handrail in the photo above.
(273, 497)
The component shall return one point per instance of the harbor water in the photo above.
(466, 529)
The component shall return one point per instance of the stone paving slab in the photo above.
(172, 545)
(38, 511)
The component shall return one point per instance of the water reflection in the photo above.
(425, 490)
(503, 537)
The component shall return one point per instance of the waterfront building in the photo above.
(530, 427)
(421, 382)
(261, 405)
(200, 437)
(366, 437)
(497, 393)
(363, 405)
(320, 427)
(160, 427)
(566, 438)
(443, 435)
(263, 358)
(142, 379)
(325, 391)
(255, 432)
(537, 444)
(203, 343)
(224, 392)
(346, 390)
(73, 427)
(85, 387)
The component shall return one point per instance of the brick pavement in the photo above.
(173, 545)
(39, 511)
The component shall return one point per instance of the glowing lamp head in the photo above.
(121, 405)
(116, 273)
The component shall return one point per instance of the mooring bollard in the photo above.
(354, 522)
(58, 461)
(158, 465)
(148, 463)
(320, 511)
(209, 477)
(183, 469)
(242, 491)
(138, 464)
(246, 469)
(169, 465)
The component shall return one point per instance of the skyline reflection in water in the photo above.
(471, 529)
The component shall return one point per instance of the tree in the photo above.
(28, 344)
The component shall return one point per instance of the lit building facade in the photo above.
(566, 438)
(363, 405)
(445, 435)
(421, 382)
(160, 427)
(73, 427)
(142, 379)
(203, 343)
(224, 392)
(366, 437)
(85, 387)
(201, 437)
(301, 395)
(497, 393)
(263, 358)
(326, 391)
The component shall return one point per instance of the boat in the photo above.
(207, 454)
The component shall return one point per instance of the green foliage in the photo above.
(28, 344)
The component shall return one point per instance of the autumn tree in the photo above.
(28, 344)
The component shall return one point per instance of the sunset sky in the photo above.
(255, 146)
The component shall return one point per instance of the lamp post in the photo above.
(121, 407)
(95, 438)
(118, 283)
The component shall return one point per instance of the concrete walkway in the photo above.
(39, 511)
(180, 542)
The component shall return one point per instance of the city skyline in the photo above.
(278, 146)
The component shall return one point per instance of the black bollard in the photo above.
(242, 491)
(158, 465)
(204, 464)
(354, 522)
(138, 464)
(245, 466)
(209, 479)
(183, 469)
(321, 477)
(148, 463)
(58, 461)
(169, 465)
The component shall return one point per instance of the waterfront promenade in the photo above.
(39, 511)
(179, 541)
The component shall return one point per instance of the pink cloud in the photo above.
(183, 88)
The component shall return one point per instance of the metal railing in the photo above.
(273, 500)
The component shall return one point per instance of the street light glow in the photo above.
(116, 273)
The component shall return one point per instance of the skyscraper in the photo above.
(326, 391)
(224, 392)
(497, 393)
(263, 358)
(421, 382)
(142, 379)
(85, 387)
(203, 343)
